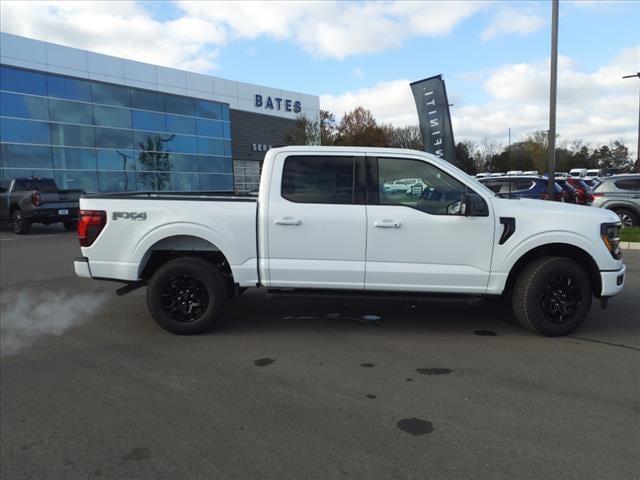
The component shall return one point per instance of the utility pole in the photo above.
(551, 169)
(638, 150)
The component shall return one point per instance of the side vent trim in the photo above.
(509, 229)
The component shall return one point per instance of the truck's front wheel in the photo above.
(552, 296)
(186, 295)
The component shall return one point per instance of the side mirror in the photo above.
(473, 205)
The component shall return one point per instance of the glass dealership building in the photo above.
(103, 123)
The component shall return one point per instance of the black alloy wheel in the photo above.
(184, 298)
(561, 299)
(552, 296)
(186, 295)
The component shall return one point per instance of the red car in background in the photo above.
(582, 189)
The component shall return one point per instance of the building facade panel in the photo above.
(104, 123)
(103, 137)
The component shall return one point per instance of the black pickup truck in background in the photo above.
(24, 201)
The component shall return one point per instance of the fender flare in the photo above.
(183, 229)
(570, 239)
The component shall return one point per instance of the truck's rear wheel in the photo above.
(21, 225)
(186, 295)
(552, 296)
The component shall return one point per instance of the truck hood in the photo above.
(566, 212)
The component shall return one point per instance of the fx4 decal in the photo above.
(141, 216)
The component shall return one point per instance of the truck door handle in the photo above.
(386, 224)
(288, 221)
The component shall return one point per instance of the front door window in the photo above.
(419, 185)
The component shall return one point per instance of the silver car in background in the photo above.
(620, 193)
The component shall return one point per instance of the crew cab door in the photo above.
(316, 222)
(418, 240)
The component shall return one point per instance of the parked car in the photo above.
(570, 193)
(578, 172)
(591, 182)
(24, 201)
(622, 195)
(521, 187)
(405, 185)
(583, 189)
(530, 172)
(317, 226)
(514, 172)
(594, 172)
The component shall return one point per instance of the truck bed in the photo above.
(140, 223)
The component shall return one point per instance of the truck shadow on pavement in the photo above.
(255, 312)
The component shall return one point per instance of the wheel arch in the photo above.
(558, 250)
(176, 246)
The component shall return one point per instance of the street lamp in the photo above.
(553, 91)
(638, 150)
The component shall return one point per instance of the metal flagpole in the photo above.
(637, 151)
(552, 102)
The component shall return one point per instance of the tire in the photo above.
(186, 279)
(70, 225)
(552, 296)
(21, 225)
(627, 217)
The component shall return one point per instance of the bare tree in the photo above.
(405, 137)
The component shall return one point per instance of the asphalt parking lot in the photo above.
(92, 388)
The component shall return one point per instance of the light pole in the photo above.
(553, 87)
(637, 165)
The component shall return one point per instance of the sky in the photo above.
(493, 55)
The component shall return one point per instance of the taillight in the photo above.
(35, 199)
(597, 195)
(90, 224)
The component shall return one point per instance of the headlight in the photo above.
(611, 238)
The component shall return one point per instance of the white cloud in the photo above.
(324, 29)
(390, 102)
(508, 21)
(596, 107)
(335, 29)
(122, 29)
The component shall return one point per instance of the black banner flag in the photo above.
(435, 121)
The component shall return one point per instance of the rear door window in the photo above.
(632, 184)
(519, 185)
(319, 179)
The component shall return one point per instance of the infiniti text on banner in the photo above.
(435, 121)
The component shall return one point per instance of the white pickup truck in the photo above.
(323, 223)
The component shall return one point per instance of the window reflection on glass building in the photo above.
(102, 137)
(104, 123)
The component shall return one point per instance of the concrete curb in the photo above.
(630, 245)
